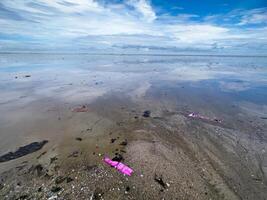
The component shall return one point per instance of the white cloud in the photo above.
(89, 23)
(144, 7)
(256, 18)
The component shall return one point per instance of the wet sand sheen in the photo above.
(173, 155)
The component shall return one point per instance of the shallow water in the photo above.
(233, 89)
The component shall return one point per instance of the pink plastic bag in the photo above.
(124, 169)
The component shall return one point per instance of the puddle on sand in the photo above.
(196, 159)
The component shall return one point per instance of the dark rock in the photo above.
(39, 189)
(39, 169)
(55, 189)
(124, 143)
(60, 179)
(118, 158)
(69, 179)
(23, 151)
(112, 140)
(146, 113)
(78, 139)
(53, 159)
(160, 181)
(24, 196)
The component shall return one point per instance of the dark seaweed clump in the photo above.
(23, 151)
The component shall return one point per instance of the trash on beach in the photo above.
(82, 108)
(124, 169)
(198, 116)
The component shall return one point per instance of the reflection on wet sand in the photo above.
(135, 109)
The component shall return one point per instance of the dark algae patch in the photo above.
(23, 151)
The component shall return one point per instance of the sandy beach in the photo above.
(135, 109)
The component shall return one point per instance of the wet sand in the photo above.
(173, 155)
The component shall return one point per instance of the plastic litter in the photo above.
(81, 109)
(124, 169)
(198, 116)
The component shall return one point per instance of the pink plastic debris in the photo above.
(124, 169)
(195, 115)
(81, 109)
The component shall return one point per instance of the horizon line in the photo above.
(134, 54)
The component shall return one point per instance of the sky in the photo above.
(235, 26)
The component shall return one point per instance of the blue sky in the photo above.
(137, 25)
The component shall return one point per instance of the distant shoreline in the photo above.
(136, 54)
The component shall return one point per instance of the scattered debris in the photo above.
(97, 195)
(23, 151)
(124, 169)
(78, 139)
(124, 143)
(146, 113)
(74, 154)
(82, 108)
(24, 196)
(38, 169)
(55, 189)
(160, 181)
(20, 167)
(198, 116)
(53, 159)
(60, 179)
(90, 167)
(41, 155)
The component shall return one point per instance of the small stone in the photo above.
(146, 113)
(55, 189)
(69, 179)
(59, 179)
